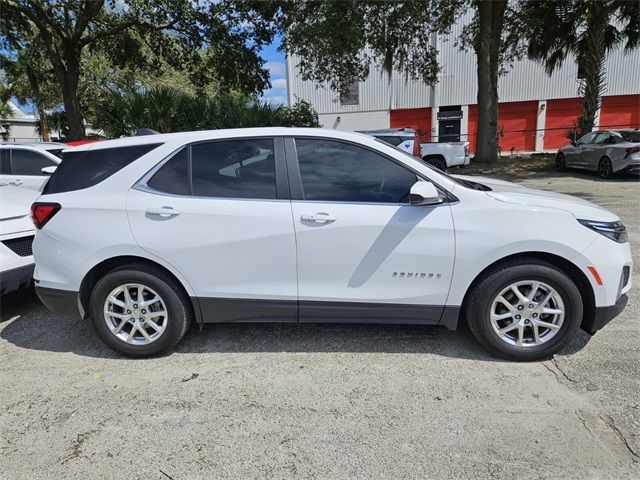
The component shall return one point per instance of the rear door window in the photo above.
(5, 162)
(27, 162)
(243, 168)
(239, 168)
(84, 169)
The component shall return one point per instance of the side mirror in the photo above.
(49, 170)
(573, 143)
(424, 193)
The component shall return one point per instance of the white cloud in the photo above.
(276, 69)
(279, 83)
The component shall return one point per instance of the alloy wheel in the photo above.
(135, 314)
(527, 313)
(604, 168)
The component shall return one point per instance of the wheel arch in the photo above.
(434, 156)
(109, 264)
(571, 269)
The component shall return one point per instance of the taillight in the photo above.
(41, 213)
(632, 150)
(416, 145)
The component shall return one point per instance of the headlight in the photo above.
(616, 231)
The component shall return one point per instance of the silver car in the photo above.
(606, 152)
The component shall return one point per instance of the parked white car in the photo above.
(16, 237)
(147, 234)
(22, 165)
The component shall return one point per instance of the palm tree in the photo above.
(5, 127)
(587, 30)
(165, 109)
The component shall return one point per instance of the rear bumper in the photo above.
(633, 168)
(604, 315)
(16, 278)
(63, 302)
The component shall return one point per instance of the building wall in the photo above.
(535, 109)
(525, 81)
(355, 120)
(22, 131)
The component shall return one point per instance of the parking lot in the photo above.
(323, 401)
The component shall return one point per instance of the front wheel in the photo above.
(139, 311)
(561, 163)
(525, 310)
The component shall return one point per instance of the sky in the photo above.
(277, 73)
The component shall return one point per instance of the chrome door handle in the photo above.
(163, 211)
(318, 218)
(16, 182)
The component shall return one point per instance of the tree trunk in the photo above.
(68, 74)
(591, 65)
(42, 120)
(72, 107)
(487, 47)
(35, 91)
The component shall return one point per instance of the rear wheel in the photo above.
(561, 163)
(525, 310)
(139, 311)
(605, 169)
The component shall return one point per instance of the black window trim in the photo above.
(282, 181)
(295, 179)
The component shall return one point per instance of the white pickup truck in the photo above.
(441, 155)
(446, 154)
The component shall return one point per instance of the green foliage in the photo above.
(338, 42)
(201, 40)
(168, 110)
(5, 127)
(585, 30)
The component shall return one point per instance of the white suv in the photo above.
(147, 234)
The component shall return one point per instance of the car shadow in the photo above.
(27, 324)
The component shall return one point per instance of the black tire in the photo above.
(561, 164)
(436, 162)
(605, 169)
(486, 290)
(176, 301)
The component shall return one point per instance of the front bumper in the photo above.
(63, 302)
(604, 315)
(15, 279)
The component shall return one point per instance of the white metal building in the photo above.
(535, 109)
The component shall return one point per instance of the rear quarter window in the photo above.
(84, 169)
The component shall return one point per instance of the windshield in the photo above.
(459, 181)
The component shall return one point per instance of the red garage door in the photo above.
(620, 111)
(561, 116)
(517, 126)
(472, 128)
(417, 118)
